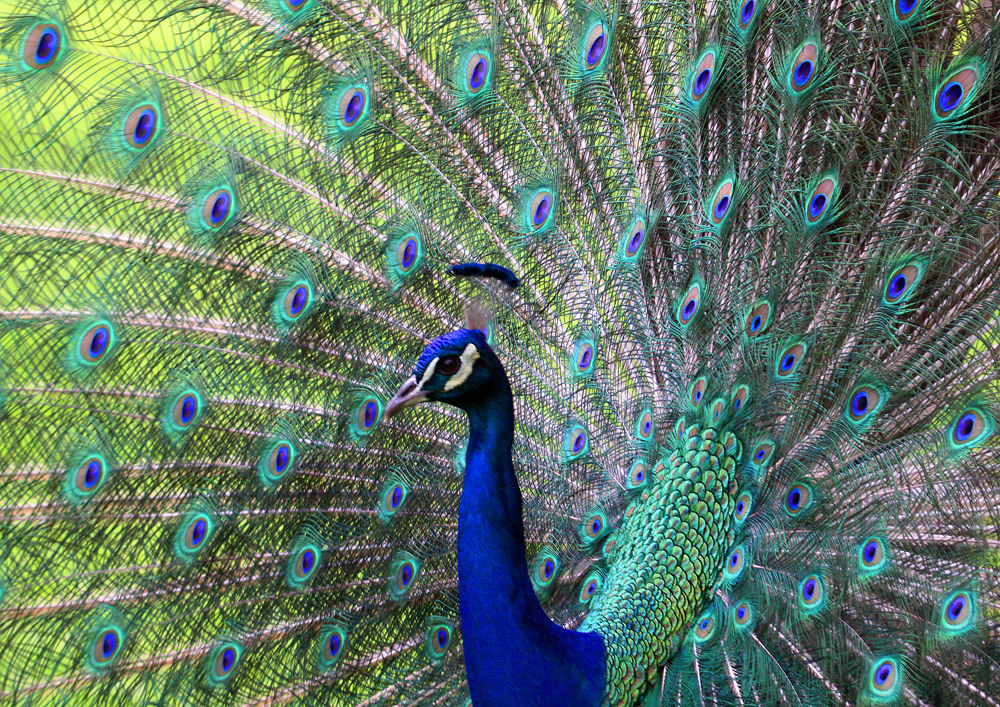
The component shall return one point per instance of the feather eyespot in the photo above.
(958, 611)
(689, 305)
(547, 570)
(798, 499)
(885, 677)
(761, 454)
(591, 586)
(747, 13)
(185, 410)
(955, 92)
(717, 408)
(697, 393)
(872, 555)
(905, 9)
(742, 614)
(196, 533)
(865, 401)
(757, 320)
(803, 67)
(331, 643)
(42, 45)
(225, 658)
(790, 359)
(353, 103)
(477, 72)
(735, 564)
(584, 357)
(701, 80)
(392, 498)
(820, 199)
(593, 526)
(541, 209)
(970, 428)
(141, 125)
(106, 646)
(296, 300)
(901, 283)
(90, 475)
(740, 399)
(368, 414)
(280, 460)
(704, 628)
(637, 475)
(302, 564)
(576, 443)
(721, 202)
(216, 207)
(811, 592)
(634, 238)
(744, 502)
(644, 425)
(404, 576)
(408, 253)
(438, 640)
(95, 343)
(595, 46)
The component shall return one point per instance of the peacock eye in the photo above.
(449, 365)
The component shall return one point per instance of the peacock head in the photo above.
(458, 368)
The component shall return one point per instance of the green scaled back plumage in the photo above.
(754, 352)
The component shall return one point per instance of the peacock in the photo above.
(605, 353)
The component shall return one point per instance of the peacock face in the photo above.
(454, 368)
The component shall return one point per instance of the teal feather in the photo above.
(753, 354)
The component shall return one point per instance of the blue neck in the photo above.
(514, 655)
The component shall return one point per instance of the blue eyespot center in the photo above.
(371, 412)
(549, 569)
(586, 356)
(705, 623)
(697, 396)
(951, 96)
(956, 607)
(442, 637)
(189, 406)
(748, 10)
(48, 45)
(794, 499)
(897, 285)
(702, 81)
(803, 72)
(109, 644)
(308, 559)
(870, 550)
(198, 532)
(220, 208)
(963, 430)
(397, 497)
(817, 205)
(596, 50)
(92, 475)
(355, 104)
(739, 508)
(334, 644)
(578, 442)
(788, 362)
(722, 207)
(144, 126)
(635, 241)
(478, 74)
(755, 324)
(227, 660)
(860, 403)
(883, 673)
(741, 613)
(689, 309)
(281, 458)
(809, 589)
(906, 6)
(542, 210)
(406, 574)
(299, 300)
(409, 253)
(595, 527)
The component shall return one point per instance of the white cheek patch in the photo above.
(428, 373)
(469, 357)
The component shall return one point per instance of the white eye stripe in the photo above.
(469, 357)
(428, 373)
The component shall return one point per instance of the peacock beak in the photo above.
(408, 394)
